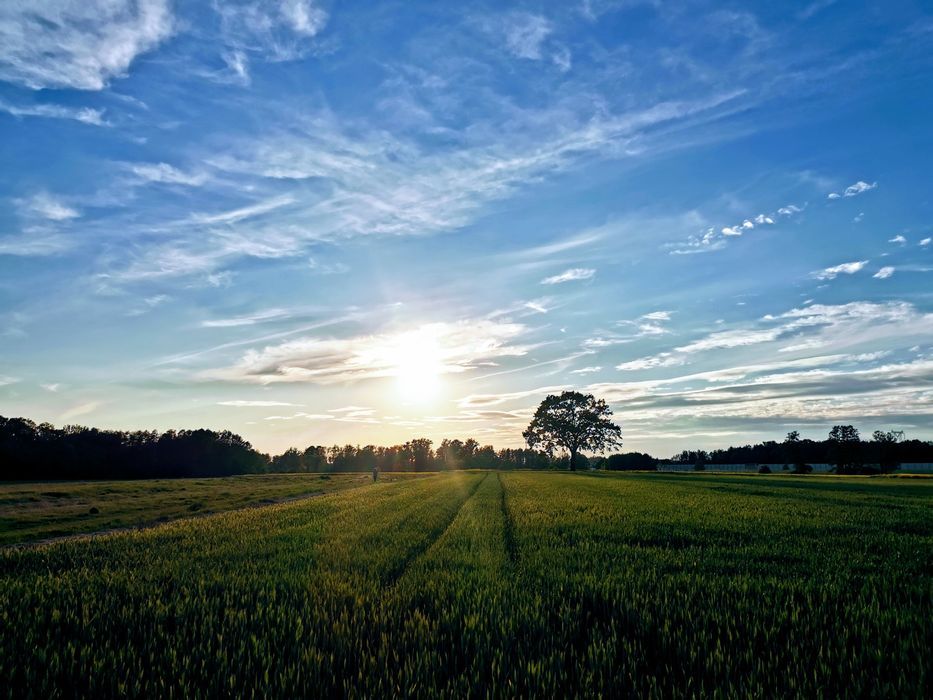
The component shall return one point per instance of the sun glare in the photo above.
(418, 366)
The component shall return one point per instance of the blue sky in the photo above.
(339, 222)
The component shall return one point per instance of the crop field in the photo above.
(40, 510)
(494, 584)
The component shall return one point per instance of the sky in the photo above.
(352, 222)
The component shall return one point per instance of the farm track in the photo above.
(397, 572)
(155, 525)
(508, 526)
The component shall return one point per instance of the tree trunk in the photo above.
(573, 460)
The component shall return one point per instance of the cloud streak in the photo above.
(81, 45)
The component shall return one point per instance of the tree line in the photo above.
(843, 447)
(31, 451)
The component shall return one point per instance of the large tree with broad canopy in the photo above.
(573, 422)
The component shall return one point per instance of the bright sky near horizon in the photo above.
(330, 222)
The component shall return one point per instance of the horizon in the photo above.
(313, 223)
(864, 436)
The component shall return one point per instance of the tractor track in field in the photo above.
(396, 573)
(508, 527)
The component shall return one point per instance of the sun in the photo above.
(418, 365)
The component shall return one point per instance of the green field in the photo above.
(42, 510)
(494, 584)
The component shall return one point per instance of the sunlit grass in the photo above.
(486, 584)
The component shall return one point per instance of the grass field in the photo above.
(35, 511)
(489, 584)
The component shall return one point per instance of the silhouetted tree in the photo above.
(573, 422)
(630, 460)
(845, 442)
(885, 443)
(793, 453)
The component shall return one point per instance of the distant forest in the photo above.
(31, 451)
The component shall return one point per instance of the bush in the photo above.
(764, 469)
(802, 469)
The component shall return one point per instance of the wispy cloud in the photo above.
(85, 115)
(301, 415)
(243, 403)
(571, 275)
(849, 268)
(80, 409)
(78, 45)
(275, 30)
(586, 370)
(884, 273)
(165, 174)
(48, 207)
(484, 400)
(853, 190)
(806, 328)
(35, 243)
(525, 34)
(246, 320)
(451, 347)
(899, 239)
(712, 239)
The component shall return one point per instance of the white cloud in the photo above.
(898, 239)
(238, 64)
(573, 274)
(304, 16)
(85, 115)
(320, 268)
(664, 359)
(6, 380)
(273, 30)
(830, 273)
(53, 388)
(730, 339)
(853, 190)
(341, 183)
(35, 243)
(255, 404)
(81, 45)
(926, 241)
(80, 409)
(525, 34)
(884, 273)
(562, 58)
(586, 370)
(451, 347)
(165, 173)
(236, 215)
(484, 400)
(658, 316)
(247, 320)
(302, 415)
(710, 240)
(49, 207)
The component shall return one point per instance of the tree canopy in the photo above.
(573, 422)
